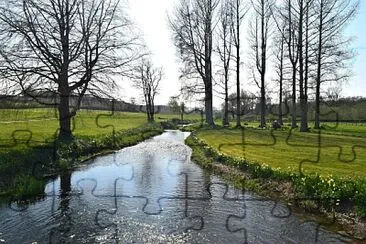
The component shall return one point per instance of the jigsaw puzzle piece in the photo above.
(267, 221)
(219, 205)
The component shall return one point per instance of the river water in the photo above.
(153, 193)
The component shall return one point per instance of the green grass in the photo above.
(285, 151)
(27, 135)
(40, 126)
(24, 171)
(349, 129)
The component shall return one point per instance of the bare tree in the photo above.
(280, 66)
(65, 48)
(260, 37)
(239, 10)
(147, 79)
(192, 25)
(225, 51)
(288, 13)
(333, 15)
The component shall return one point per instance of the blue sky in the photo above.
(357, 29)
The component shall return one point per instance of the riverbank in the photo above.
(24, 171)
(339, 201)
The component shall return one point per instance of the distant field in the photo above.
(285, 151)
(40, 125)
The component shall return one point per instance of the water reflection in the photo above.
(152, 193)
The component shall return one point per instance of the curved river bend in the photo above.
(152, 193)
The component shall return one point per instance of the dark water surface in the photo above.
(152, 193)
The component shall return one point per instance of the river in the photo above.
(153, 193)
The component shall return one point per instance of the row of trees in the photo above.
(303, 40)
(71, 47)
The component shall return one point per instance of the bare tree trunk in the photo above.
(306, 62)
(319, 67)
(293, 55)
(280, 112)
(64, 105)
(225, 53)
(238, 123)
(263, 15)
(303, 112)
(152, 108)
(238, 112)
(293, 118)
(208, 67)
(64, 117)
(225, 121)
(264, 30)
(208, 104)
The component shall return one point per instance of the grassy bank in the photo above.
(24, 171)
(328, 184)
(29, 153)
(341, 199)
(24, 128)
(340, 156)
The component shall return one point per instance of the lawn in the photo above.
(40, 125)
(285, 150)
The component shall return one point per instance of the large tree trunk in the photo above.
(208, 104)
(208, 67)
(64, 112)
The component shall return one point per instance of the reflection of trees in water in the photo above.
(65, 189)
(144, 173)
(205, 206)
(60, 233)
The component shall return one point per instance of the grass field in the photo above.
(280, 149)
(40, 125)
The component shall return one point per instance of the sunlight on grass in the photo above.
(283, 150)
(38, 126)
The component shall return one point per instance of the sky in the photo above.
(151, 17)
(356, 29)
